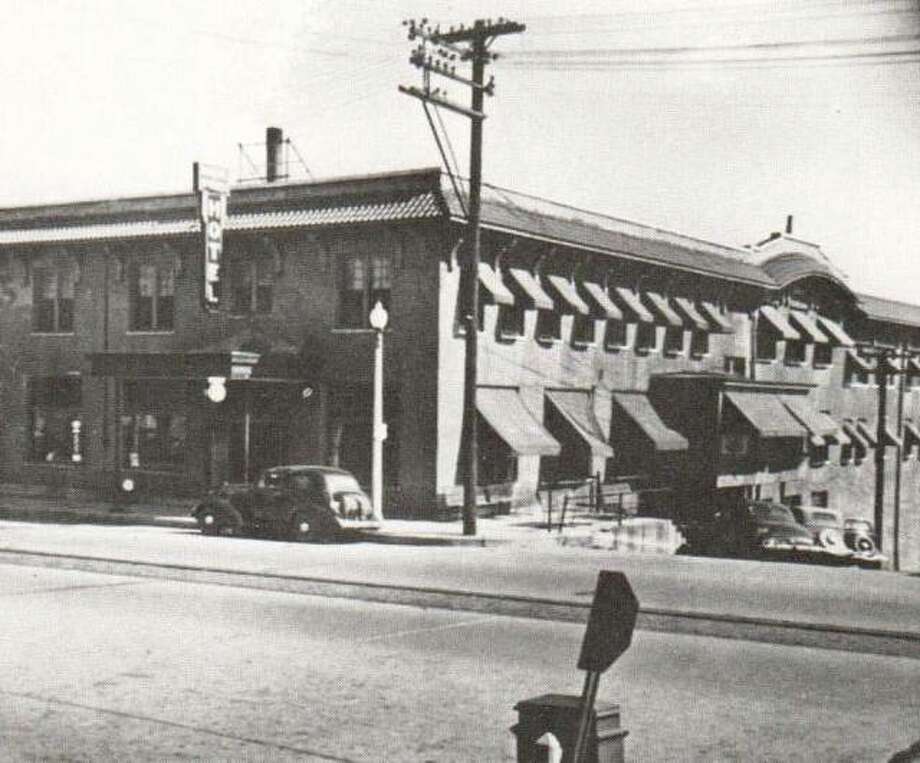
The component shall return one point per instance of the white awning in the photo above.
(575, 406)
(665, 311)
(836, 332)
(632, 302)
(776, 319)
(492, 281)
(506, 413)
(809, 326)
(692, 315)
(531, 286)
(569, 293)
(606, 305)
(723, 324)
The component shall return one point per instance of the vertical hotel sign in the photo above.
(211, 186)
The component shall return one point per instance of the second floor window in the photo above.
(153, 297)
(251, 285)
(365, 280)
(52, 298)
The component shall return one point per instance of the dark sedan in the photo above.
(296, 502)
(757, 529)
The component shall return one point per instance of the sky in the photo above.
(713, 118)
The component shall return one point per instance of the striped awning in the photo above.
(663, 309)
(690, 312)
(632, 302)
(766, 414)
(836, 332)
(569, 293)
(808, 325)
(717, 318)
(776, 319)
(640, 409)
(575, 407)
(504, 410)
(599, 294)
(531, 287)
(820, 426)
(492, 280)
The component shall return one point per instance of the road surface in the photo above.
(99, 667)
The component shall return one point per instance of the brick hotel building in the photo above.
(686, 372)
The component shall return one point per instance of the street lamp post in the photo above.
(378, 319)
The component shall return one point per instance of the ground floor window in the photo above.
(153, 426)
(56, 419)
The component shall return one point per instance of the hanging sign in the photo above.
(212, 192)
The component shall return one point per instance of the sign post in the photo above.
(609, 634)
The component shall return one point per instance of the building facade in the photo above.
(684, 372)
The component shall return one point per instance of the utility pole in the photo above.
(466, 44)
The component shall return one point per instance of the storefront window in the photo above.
(153, 440)
(56, 420)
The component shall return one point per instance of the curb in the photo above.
(720, 625)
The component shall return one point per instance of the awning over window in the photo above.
(575, 406)
(492, 280)
(639, 408)
(914, 364)
(634, 304)
(819, 425)
(892, 365)
(692, 315)
(719, 320)
(569, 293)
(766, 414)
(663, 309)
(891, 438)
(531, 286)
(506, 413)
(836, 332)
(860, 362)
(855, 435)
(776, 319)
(868, 431)
(912, 429)
(809, 326)
(599, 295)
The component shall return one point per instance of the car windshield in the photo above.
(342, 483)
(766, 512)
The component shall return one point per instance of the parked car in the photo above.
(859, 536)
(294, 502)
(826, 527)
(754, 529)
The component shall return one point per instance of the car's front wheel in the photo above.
(304, 527)
(218, 521)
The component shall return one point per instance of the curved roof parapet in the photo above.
(786, 259)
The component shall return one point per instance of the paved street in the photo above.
(802, 593)
(98, 667)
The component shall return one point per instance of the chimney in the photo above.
(274, 139)
(788, 225)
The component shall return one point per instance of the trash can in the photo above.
(559, 714)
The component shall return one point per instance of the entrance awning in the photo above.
(819, 425)
(780, 324)
(809, 326)
(766, 414)
(506, 413)
(639, 408)
(190, 364)
(575, 406)
(528, 282)
(569, 293)
(492, 280)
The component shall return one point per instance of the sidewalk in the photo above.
(26, 503)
